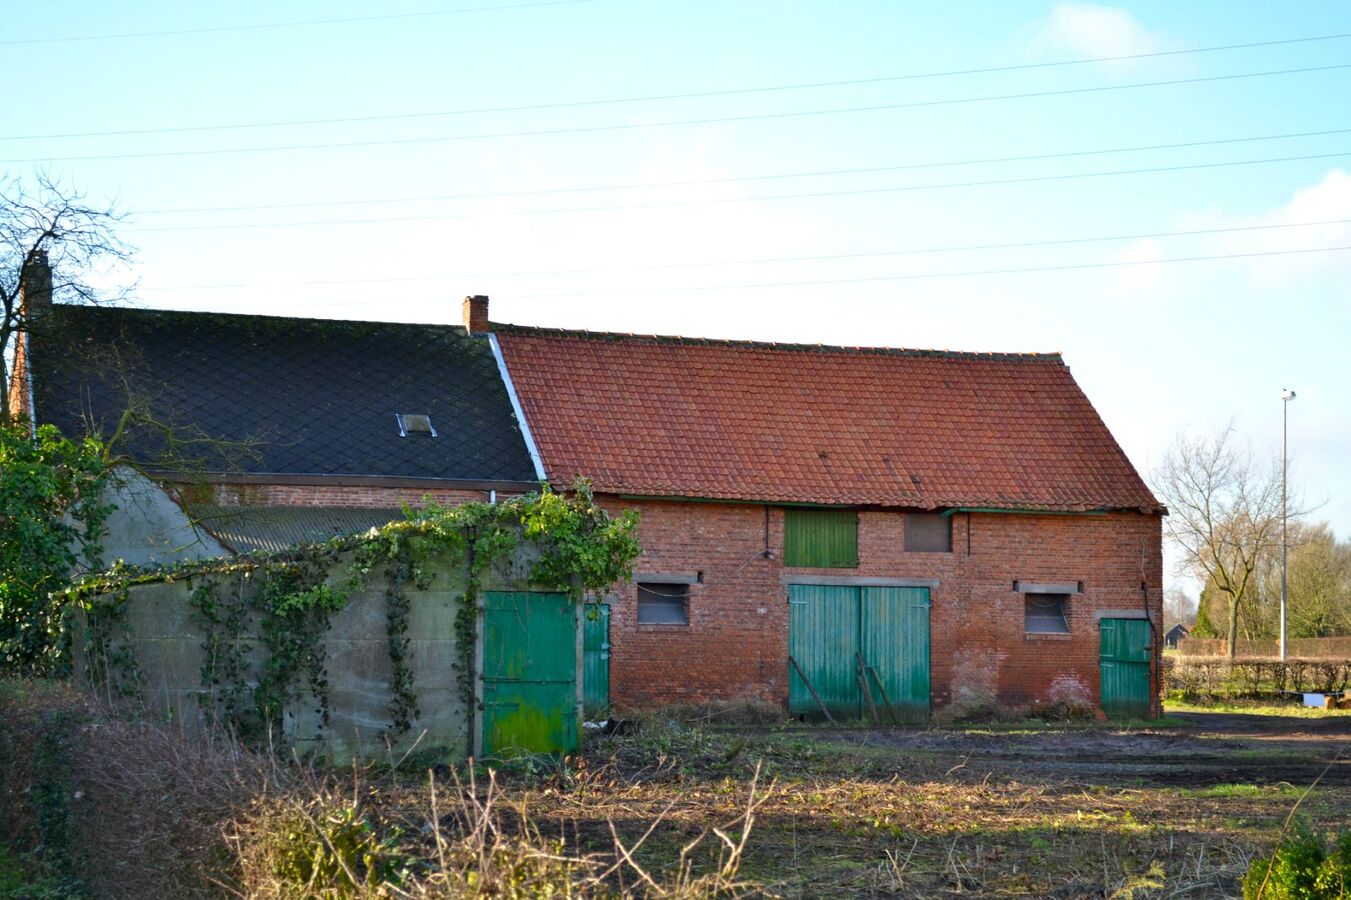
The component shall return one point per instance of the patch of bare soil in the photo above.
(1214, 748)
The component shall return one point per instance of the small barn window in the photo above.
(660, 603)
(820, 537)
(928, 533)
(1046, 613)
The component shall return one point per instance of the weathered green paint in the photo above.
(596, 660)
(822, 637)
(820, 537)
(831, 625)
(1124, 654)
(529, 674)
(1023, 511)
(895, 643)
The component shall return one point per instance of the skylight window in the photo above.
(414, 423)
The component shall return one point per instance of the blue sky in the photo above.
(225, 220)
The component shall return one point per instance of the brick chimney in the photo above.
(35, 283)
(35, 297)
(476, 314)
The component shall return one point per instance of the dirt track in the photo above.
(1213, 748)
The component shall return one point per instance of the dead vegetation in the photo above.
(684, 806)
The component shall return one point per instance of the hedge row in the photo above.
(1215, 677)
(1304, 648)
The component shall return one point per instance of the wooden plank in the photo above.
(886, 701)
(867, 691)
(810, 689)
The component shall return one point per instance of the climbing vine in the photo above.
(109, 662)
(289, 599)
(222, 613)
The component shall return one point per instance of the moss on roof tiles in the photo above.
(318, 396)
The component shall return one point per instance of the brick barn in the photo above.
(847, 529)
(915, 529)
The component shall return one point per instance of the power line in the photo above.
(712, 120)
(1033, 179)
(892, 278)
(652, 98)
(769, 177)
(307, 22)
(929, 275)
(867, 254)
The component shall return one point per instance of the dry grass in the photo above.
(689, 808)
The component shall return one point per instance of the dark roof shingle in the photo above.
(318, 397)
(658, 416)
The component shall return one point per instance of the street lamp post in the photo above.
(1286, 396)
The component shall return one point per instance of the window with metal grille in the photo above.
(1046, 613)
(928, 533)
(820, 537)
(661, 603)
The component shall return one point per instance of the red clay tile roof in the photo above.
(658, 416)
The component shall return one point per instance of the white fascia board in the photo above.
(517, 408)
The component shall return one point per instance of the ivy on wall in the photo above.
(285, 601)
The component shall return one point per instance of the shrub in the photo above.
(52, 514)
(1303, 867)
(1216, 678)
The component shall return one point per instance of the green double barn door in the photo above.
(529, 674)
(1124, 654)
(842, 637)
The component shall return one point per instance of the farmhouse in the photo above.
(842, 531)
(266, 431)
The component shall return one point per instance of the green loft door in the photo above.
(529, 674)
(1124, 653)
(895, 647)
(823, 623)
(596, 660)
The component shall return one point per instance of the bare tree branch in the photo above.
(1225, 514)
(46, 222)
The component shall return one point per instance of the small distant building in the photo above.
(1175, 635)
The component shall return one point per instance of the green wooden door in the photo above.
(596, 660)
(1124, 654)
(895, 647)
(823, 625)
(832, 626)
(529, 674)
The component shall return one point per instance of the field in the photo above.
(1034, 811)
(697, 807)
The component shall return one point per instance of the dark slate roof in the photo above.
(739, 420)
(274, 528)
(314, 397)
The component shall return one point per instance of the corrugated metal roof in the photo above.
(272, 528)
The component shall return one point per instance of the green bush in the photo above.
(1303, 867)
(52, 514)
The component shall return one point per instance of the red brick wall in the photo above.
(324, 495)
(736, 645)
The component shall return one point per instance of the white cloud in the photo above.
(1329, 200)
(1138, 281)
(1091, 31)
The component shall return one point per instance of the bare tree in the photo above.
(49, 228)
(1320, 583)
(1224, 516)
(1178, 607)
